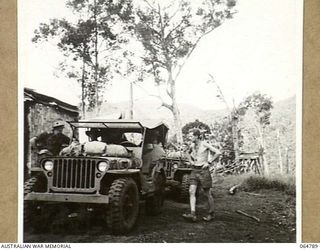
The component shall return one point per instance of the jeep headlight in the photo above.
(175, 166)
(103, 166)
(48, 165)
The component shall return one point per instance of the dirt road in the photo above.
(275, 209)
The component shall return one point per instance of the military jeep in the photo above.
(177, 169)
(105, 169)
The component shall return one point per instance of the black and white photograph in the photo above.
(148, 121)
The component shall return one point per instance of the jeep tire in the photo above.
(31, 212)
(184, 188)
(124, 205)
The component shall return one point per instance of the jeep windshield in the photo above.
(120, 133)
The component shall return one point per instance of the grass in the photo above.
(281, 183)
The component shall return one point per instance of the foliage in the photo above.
(221, 132)
(282, 123)
(87, 43)
(260, 104)
(196, 124)
(284, 183)
(169, 34)
(256, 109)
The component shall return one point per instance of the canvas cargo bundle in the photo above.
(103, 149)
(117, 151)
(94, 148)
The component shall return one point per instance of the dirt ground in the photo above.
(275, 209)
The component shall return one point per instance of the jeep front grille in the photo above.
(168, 167)
(74, 175)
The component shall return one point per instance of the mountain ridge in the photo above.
(153, 110)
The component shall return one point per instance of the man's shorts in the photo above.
(202, 177)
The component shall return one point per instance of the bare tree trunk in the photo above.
(279, 152)
(131, 100)
(83, 87)
(175, 109)
(96, 57)
(177, 121)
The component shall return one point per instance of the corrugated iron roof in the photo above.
(31, 95)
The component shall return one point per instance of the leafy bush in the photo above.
(281, 183)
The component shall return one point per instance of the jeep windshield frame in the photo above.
(126, 126)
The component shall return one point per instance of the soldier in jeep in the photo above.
(54, 142)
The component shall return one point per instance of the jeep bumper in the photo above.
(78, 198)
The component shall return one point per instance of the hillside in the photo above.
(153, 110)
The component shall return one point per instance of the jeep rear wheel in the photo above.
(184, 188)
(124, 205)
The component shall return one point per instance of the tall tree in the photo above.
(88, 42)
(130, 68)
(261, 106)
(170, 34)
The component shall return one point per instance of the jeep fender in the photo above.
(111, 175)
(181, 171)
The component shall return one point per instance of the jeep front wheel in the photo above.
(124, 205)
(32, 216)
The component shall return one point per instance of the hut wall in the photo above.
(39, 118)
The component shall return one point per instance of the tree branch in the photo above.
(163, 103)
(150, 5)
(190, 52)
(177, 10)
(177, 26)
(149, 27)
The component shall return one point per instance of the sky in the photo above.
(260, 49)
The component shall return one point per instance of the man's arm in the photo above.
(189, 155)
(214, 150)
(65, 141)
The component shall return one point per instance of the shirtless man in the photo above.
(200, 175)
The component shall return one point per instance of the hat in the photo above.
(57, 124)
